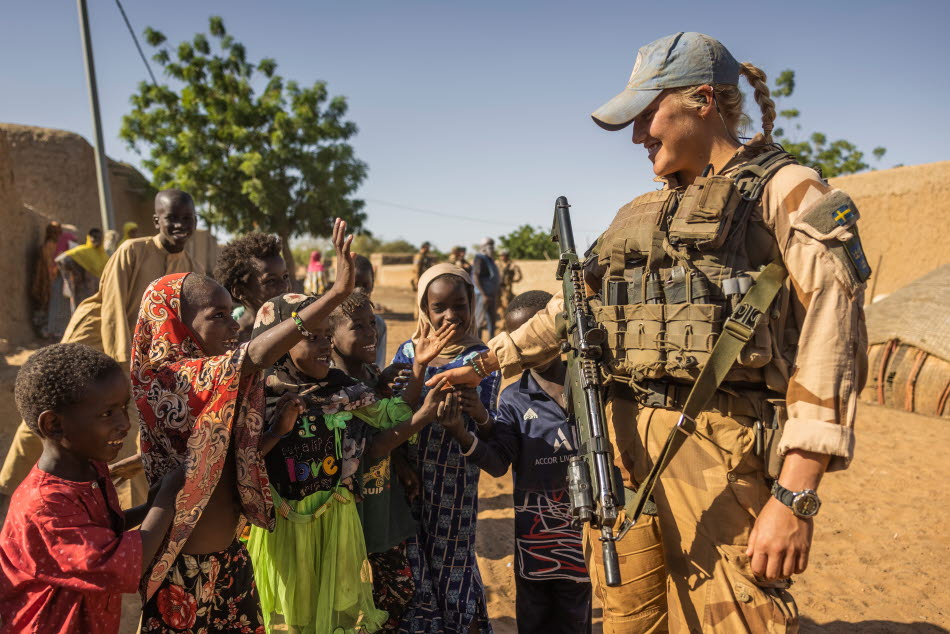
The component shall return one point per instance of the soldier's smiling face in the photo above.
(673, 135)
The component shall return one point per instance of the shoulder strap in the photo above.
(736, 332)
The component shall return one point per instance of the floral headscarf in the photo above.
(191, 407)
(464, 339)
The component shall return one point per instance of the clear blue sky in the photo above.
(481, 108)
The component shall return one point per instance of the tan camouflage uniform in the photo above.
(711, 493)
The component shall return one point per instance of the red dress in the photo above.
(65, 560)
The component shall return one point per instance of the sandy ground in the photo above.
(881, 540)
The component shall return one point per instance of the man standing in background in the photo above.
(105, 321)
(487, 281)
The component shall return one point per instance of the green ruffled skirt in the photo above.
(312, 573)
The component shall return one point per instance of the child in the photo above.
(366, 282)
(65, 554)
(201, 404)
(253, 270)
(531, 432)
(384, 511)
(312, 570)
(449, 593)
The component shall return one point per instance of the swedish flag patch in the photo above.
(844, 214)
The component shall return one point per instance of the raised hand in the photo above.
(345, 268)
(430, 345)
(395, 377)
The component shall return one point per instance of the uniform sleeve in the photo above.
(117, 306)
(534, 344)
(496, 454)
(71, 551)
(830, 365)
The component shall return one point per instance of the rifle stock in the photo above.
(594, 500)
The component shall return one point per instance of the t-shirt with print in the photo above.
(532, 435)
(314, 457)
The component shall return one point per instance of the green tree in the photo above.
(255, 151)
(529, 243)
(834, 158)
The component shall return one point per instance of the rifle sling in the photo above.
(736, 332)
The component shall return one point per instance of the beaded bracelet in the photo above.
(303, 329)
(478, 370)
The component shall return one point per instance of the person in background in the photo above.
(366, 282)
(59, 309)
(531, 434)
(253, 270)
(510, 275)
(66, 556)
(487, 281)
(82, 266)
(44, 272)
(458, 259)
(105, 322)
(316, 280)
(130, 230)
(111, 241)
(421, 261)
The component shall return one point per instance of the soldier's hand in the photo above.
(780, 542)
(464, 375)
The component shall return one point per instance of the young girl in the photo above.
(312, 570)
(65, 554)
(384, 511)
(201, 404)
(449, 594)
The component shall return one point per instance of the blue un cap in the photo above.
(674, 61)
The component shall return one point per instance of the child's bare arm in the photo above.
(266, 349)
(385, 441)
(430, 345)
(288, 409)
(159, 517)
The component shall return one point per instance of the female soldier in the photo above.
(668, 272)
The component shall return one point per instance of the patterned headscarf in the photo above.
(191, 407)
(465, 338)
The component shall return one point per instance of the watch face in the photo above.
(806, 504)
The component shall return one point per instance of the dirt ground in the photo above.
(881, 540)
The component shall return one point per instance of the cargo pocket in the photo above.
(634, 338)
(737, 602)
(691, 333)
(639, 602)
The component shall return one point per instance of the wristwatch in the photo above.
(803, 503)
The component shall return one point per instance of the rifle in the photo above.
(583, 345)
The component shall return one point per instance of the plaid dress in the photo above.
(449, 592)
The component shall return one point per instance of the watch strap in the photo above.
(783, 495)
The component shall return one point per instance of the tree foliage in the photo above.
(833, 158)
(255, 151)
(529, 243)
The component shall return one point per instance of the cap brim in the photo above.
(617, 113)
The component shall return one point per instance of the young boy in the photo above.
(65, 553)
(530, 432)
(253, 270)
(105, 321)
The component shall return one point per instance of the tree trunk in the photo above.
(296, 283)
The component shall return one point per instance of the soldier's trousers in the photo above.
(708, 499)
(26, 448)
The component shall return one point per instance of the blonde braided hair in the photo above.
(729, 100)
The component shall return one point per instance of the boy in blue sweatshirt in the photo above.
(530, 433)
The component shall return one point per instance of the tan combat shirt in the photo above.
(821, 346)
(106, 320)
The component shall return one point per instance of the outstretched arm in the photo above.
(266, 349)
(385, 441)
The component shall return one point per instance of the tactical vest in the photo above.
(675, 264)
